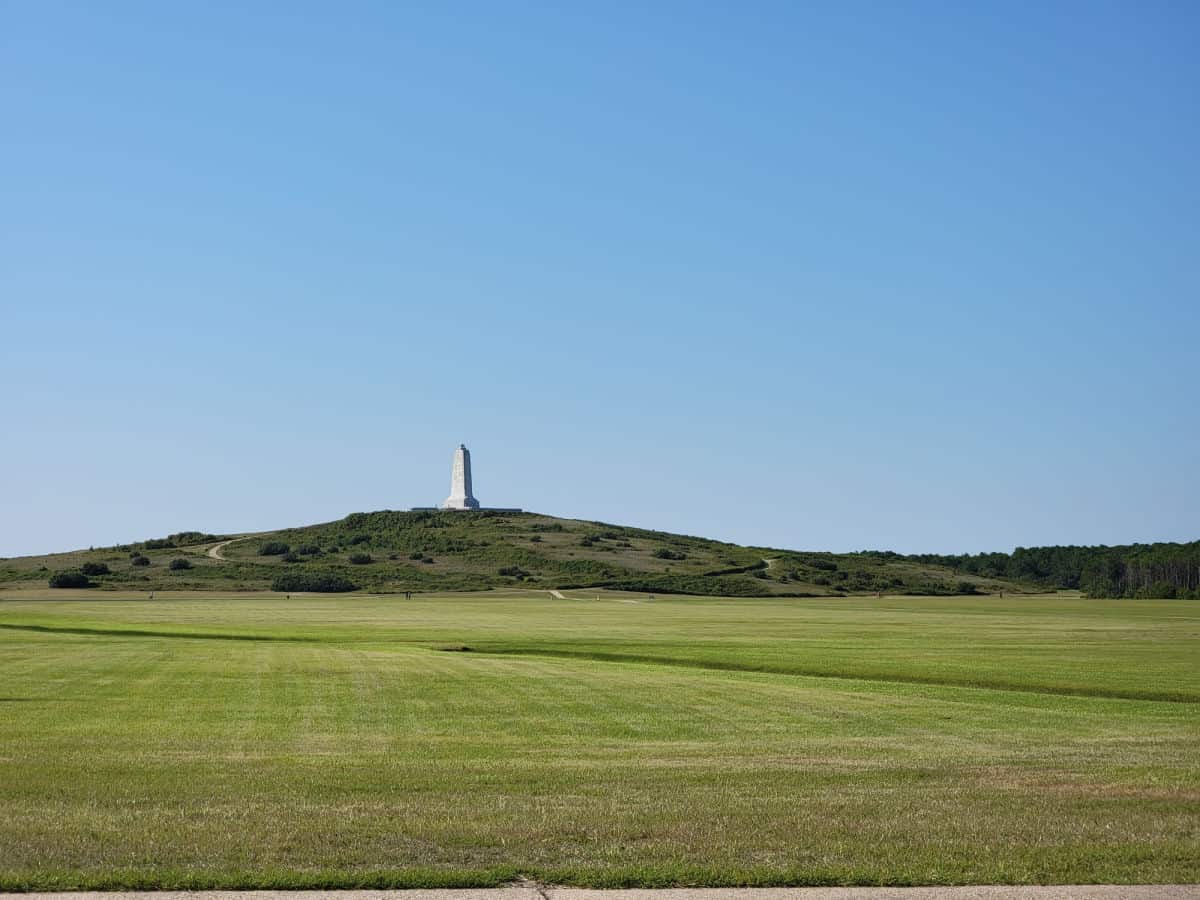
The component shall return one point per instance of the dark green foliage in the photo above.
(323, 583)
(727, 586)
(184, 538)
(308, 550)
(667, 553)
(1135, 570)
(290, 557)
(273, 548)
(358, 539)
(417, 555)
(513, 572)
(94, 568)
(139, 560)
(536, 539)
(361, 559)
(69, 580)
(180, 564)
(158, 544)
(967, 587)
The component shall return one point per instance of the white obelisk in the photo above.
(460, 482)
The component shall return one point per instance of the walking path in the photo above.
(215, 552)
(558, 595)
(538, 892)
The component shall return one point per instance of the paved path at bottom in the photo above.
(533, 892)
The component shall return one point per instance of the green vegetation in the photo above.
(1136, 570)
(70, 580)
(315, 582)
(430, 550)
(248, 741)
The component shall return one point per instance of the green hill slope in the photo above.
(434, 550)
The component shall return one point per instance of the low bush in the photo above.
(94, 568)
(358, 539)
(417, 555)
(309, 550)
(313, 581)
(273, 548)
(139, 560)
(179, 564)
(290, 557)
(69, 580)
(361, 559)
(664, 553)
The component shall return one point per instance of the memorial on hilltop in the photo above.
(461, 495)
(460, 482)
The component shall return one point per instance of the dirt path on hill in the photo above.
(215, 550)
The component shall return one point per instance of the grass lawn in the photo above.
(254, 741)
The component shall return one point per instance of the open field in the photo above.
(254, 741)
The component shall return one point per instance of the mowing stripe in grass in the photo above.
(723, 666)
(143, 633)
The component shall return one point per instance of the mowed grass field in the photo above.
(255, 741)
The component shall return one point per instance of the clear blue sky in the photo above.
(921, 276)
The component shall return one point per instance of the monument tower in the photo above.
(460, 482)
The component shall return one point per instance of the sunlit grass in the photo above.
(258, 742)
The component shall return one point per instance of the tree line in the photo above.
(1132, 570)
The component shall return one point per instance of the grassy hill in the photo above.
(434, 550)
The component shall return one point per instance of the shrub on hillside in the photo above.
(273, 548)
(158, 544)
(69, 580)
(513, 572)
(664, 553)
(967, 587)
(313, 581)
(417, 555)
(309, 550)
(139, 560)
(361, 559)
(94, 568)
(179, 564)
(290, 557)
(358, 539)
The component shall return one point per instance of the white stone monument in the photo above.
(460, 482)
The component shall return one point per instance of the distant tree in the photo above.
(273, 548)
(179, 564)
(361, 559)
(417, 555)
(290, 557)
(69, 580)
(139, 560)
(313, 581)
(94, 568)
